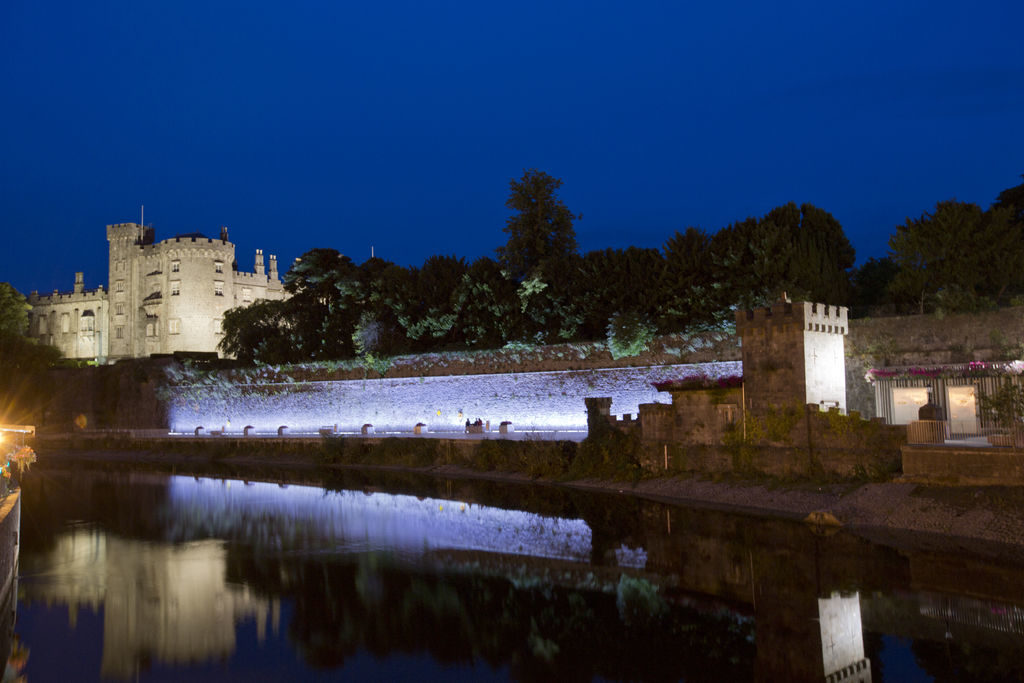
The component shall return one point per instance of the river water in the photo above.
(369, 576)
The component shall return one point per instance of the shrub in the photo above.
(628, 334)
(609, 455)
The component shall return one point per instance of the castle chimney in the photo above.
(273, 267)
(259, 262)
(79, 282)
(223, 233)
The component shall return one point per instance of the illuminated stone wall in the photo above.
(531, 401)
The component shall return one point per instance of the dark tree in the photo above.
(614, 282)
(540, 232)
(751, 261)
(13, 311)
(24, 383)
(800, 250)
(1012, 198)
(691, 286)
(261, 332)
(957, 257)
(870, 283)
(384, 294)
(429, 313)
(323, 286)
(487, 306)
(823, 256)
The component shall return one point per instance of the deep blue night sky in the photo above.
(400, 124)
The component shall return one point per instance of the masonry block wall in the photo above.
(796, 442)
(700, 416)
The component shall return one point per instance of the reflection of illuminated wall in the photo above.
(351, 521)
(534, 400)
(842, 639)
(168, 602)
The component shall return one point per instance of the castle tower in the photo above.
(793, 354)
(79, 283)
(259, 262)
(273, 268)
(124, 240)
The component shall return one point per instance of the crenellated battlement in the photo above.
(802, 316)
(825, 318)
(35, 298)
(190, 242)
(242, 276)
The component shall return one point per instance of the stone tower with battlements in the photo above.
(793, 354)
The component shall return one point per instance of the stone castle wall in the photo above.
(548, 401)
(795, 441)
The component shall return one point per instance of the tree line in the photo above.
(540, 289)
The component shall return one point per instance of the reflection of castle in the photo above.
(163, 297)
(171, 603)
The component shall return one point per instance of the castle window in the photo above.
(42, 325)
(152, 329)
(119, 286)
(218, 266)
(87, 323)
(65, 322)
(118, 332)
(119, 309)
(175, 266)
(246, 295)
(218, 328)
(218, 288)
(174, 326)
(175, 287)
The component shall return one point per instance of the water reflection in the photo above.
(304, 517)
(500, 581)
(169, 602)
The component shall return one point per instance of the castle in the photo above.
(162, 297)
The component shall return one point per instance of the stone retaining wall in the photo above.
(973, 466)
